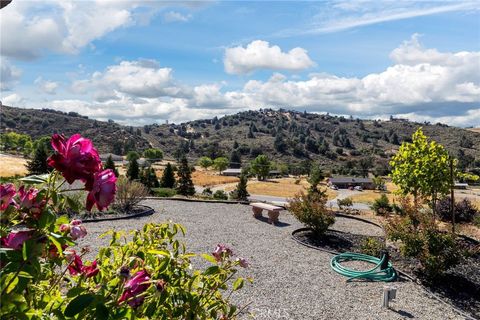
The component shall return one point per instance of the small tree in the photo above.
(109, 164)
(185, 185)
(382, 206)
(168, 177)
(235, 159)
(132, 155)
(133, 170)
(316, 175)
(379, 183)
(153, 153)
(149, 178)
(38, 165)
(422, 168)
(240, 192)
(205, 162)
(220, 163)
(261, 167)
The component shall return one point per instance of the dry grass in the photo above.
(474, 129)
(284, 187)
(12, 165)
(368, 196)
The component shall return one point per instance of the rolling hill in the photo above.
(285, 136)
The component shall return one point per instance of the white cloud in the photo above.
(46, 86)
(174, 16)
(141, 78)
(260, 55)
(343, 15)
(422, 84)
(13, 100)
(67, 26)
(9, 75)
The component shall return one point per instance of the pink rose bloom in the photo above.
(15, 239)
(90, 270)
(75, 158)
(29, 201)
(221, 252)
(7, 192)
(77, 231)
(135, 286)
(76, 265)
(103, 190)
(64, 228)
(76, 222)
(243, 262)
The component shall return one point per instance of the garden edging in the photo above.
(147, 212)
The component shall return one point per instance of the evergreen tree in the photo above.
(168, 177)
(235, 160)
(185, 185)
(241, 192)
(133, 170)
(109, 164)
(38, 165)
(149, 178)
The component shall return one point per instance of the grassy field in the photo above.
(12, 165)
(368, 196)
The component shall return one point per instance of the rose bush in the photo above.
(148, 277)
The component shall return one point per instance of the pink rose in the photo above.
(15, 239)
(90, 270)
(7, 192)
(75, 158)
(77, 231)
(75, 266)
(103, 190)
(134, 287)
(242, 262)
(221, 252)
(29, 201)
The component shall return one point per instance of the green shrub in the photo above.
(464, 210)
(129, 194)
(436, 251)
(220, 195)
(382, 206)
(372, 246)
(311, 210)
(344, 203)
(476, 221)
(164, 192)
(207, 192)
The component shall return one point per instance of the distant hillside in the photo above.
(107, 136)
(285, 136)
(290, 137)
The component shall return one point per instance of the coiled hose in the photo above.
(383, 270)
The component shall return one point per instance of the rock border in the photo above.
(147, 212)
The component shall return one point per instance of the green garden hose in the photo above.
(375, 274)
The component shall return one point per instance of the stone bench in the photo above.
(273, 211)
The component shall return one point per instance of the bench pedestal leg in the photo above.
(257, 212)
(273, 216)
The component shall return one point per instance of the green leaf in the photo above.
(160, 252)
(35, 179)
(13, 284)
(211, 270)
(209, 258)
(78, 304)
(47, 218)
(101, 312)
(57, 244)
(238, 284)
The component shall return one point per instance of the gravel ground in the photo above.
(291, 281)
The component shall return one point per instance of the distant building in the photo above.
(232, 172)
(347, 182)
(115, 157)
(459, 185)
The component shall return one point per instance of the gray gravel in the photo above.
(291, 281)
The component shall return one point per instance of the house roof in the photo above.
(232, 170)
(115, 157)
(350, 180)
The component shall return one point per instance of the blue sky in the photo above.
(141, 62)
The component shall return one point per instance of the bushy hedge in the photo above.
(164, 192)
(464, 210)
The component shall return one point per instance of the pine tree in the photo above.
(38, 165)
(133, 170)
(168, 177)
(241, 192)
(235, 160)
(148, 178)
(185, 185)
(109, 164)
